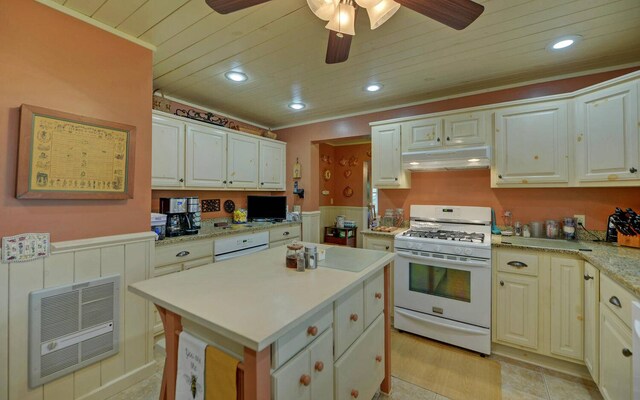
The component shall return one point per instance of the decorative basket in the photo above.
(269, 135)
(628, 241)
(160, 103)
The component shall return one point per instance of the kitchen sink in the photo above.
(350, 259)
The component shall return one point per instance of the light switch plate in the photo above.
(25, 247)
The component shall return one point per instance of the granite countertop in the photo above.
(369, 232)
(622, 264)
(208, 231)
(254, 299)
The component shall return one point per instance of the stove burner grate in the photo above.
(456, 236)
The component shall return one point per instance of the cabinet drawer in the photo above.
(361, 370)
(198, 263)
(167, 269)
(321, 352)
(378, 244)
(373, 297)
(284, 232)
(293, 380)
(348, 319)
(518, 263)
(610, 293)
(183, 252)
(300, 336)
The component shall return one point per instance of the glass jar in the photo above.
(552, 228)
(294, 252)
(569, 228)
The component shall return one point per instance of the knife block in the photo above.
(629, 241)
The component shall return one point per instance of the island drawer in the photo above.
(373, 297)
(348, 319)
(518, 262)
(359, 372)
(183, 252)
(616, 298)
(285, 232)
(299, 337)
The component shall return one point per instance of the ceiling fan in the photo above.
(457, 14)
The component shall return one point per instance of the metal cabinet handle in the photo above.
(183, 254)
(517, 264)
(225, 182)
(286, 233)
(230, 182)
(448, 138)
(587, 277)
(633, 170)
(386, 248)
(615, 301)
(626, 352)
(500, 176)
(181, 180)
(438, 139)
(501, 283)
(395, 179)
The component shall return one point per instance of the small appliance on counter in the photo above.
(193, 215)
(178, 222)
(159, 225)
(623, 227)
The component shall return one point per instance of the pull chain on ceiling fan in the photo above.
(341, 14)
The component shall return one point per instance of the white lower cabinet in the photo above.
(615, 357)
(567, 314)
(348, 319)
(321, 354)
(359, 372)
(591, 320)
(517, 310)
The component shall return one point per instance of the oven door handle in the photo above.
(457, 328)
(410, 255)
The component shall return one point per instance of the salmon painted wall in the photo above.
(299, 141)
(51, 60)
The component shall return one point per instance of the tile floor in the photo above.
(520, 381)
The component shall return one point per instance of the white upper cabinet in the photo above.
(531, 144)
(167, 152)
(242, 167)
(206, 157)
(272, 173)
(421, 134)
(386, 158)
(606, 135)
(465, 129)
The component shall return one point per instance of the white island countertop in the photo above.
(255, 299)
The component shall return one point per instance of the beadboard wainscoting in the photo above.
(131, 256)
(328, 216)
(311, 226)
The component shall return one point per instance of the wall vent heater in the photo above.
(72, 326)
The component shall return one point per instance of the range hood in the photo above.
(445, 159)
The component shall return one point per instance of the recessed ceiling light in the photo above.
(414, 163)
(564, 42)
(236, 76)
(473, 160)
(297, 106)
(374, 87)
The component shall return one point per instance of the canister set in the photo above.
(301, 260)
(551, 229)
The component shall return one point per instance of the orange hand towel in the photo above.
(220, 375)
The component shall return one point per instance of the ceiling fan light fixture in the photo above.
(381, 12)
(343, 19)
(323, 9)
(367, 3)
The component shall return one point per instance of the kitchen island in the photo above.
(265, 314)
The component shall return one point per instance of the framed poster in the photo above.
(67, 156)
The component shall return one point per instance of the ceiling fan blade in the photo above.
(338, 48)
(457, 14)
(229, 6)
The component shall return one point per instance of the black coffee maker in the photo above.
(176, 210)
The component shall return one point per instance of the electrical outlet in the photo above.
(580, 219)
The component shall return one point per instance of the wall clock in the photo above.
(229, 206)
(327, 174)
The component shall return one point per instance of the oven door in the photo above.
(448, 288)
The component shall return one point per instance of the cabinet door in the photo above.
(423, 134)
(591, 320)
(206, 157)
(321, 355)
(293, 380)
(167, 152)
(272, 164)
(242, 166)
(348, 319)
(615, 368)
(531, 144)
(386, 158)
(464, 129)
(607, 133)
(381, 244)
(517, 309)
(567, 330)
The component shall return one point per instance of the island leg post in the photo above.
(257, 374)
(385, 386)
(172, 327)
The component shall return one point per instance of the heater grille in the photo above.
(71, 327)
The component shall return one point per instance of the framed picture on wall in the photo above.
(67, 156)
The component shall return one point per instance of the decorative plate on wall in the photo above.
(229, 206)
(347, 192)
(347, 173)
(353, 161)
(327, 174)
(343, 162)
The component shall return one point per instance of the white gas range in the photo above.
(443, 276)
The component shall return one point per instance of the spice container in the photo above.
(552, 229)
(294, 251)
(536, 229)
(311, 256)
(569, 228)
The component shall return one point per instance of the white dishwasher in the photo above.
(240, 245)
(635, 369)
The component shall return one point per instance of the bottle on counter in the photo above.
(294, 252)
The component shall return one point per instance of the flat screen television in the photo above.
(266, 207)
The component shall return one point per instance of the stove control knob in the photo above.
(467, 252)
(458, 250)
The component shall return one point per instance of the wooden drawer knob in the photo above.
(305, 380)
(378, 295)
(312, 330)
(353, 317)
(379, 358)
(355, 394)
(319, 366)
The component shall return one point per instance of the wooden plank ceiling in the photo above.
(281, 46)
